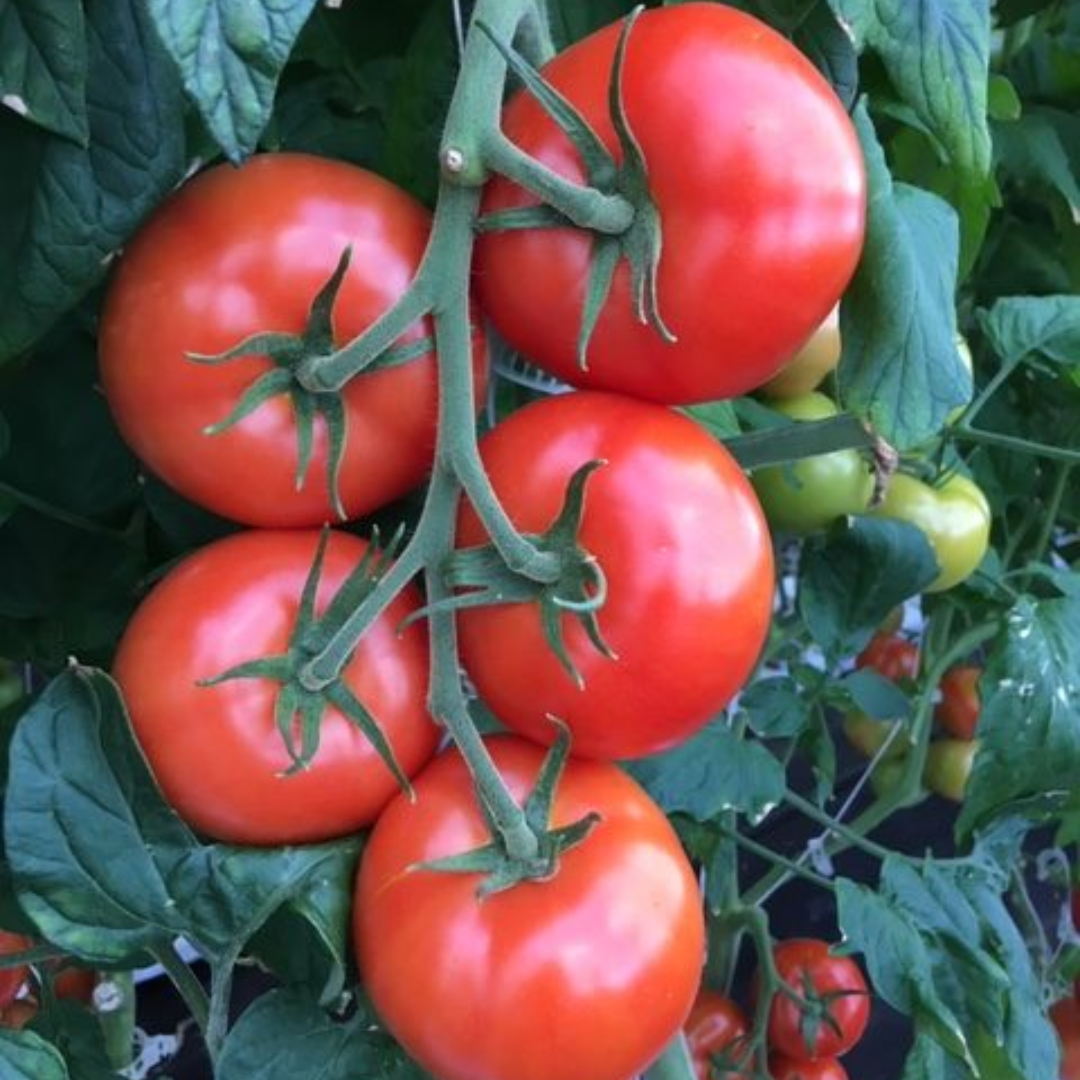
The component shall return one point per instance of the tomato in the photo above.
(868, 735)
(759, 183)
(18, 1014)
(958, 710)
(1066, 1017)
(812, 364)
(716, 1034)
(955, 517)
(891, 656)
(812, 493)
(216, 750)
(948, 766)
(12, 978)
(239, 251)
(783, 1068)
(584, 976)
(686, 552)
(833, 984)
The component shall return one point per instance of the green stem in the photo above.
(114, 1001)
(58, 513)
(674, 1063)
(1017, 445)
(217, 1021)
(185, 981)
(1050, 514)
(781, 861)
(835, 827)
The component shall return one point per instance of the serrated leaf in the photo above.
(26, 1056)
(230, 54)
(43, 65)
(900, 367)
(712, 772)
(67, 209)
(1044, 326)
(853, 576)
(774, 707)
(1029, 727)
(937, 54)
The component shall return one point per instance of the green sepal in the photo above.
(517, 218)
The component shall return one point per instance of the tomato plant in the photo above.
(1066, 1017)
(948, 767)
(892, 656)
(836, 1002)
(812, 364)
(762, 147)
(716, 1031)
(685, 551)
(611, 944)
(217, 750)
(782, 1068)
(12, 978)
(236, 252)
(958, 710)
(811, 494)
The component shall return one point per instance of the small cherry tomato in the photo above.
(958, 710)
(784, 1068)
(948, 767)
(716, 1035)
(891, 656)
(811, 365)
(1066, 1019)
(837, 1002)
(12, 978)
(814, 492)
(868, 735)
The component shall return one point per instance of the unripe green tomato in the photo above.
(887, 775)
(812, 493)
(948, 766)
(868, 736)
(808, 368)
(954, 516)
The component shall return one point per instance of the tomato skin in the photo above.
(585, 976)
(812, 364)
(715, 1026)
(783, 1068)
(686, 551)
(813, 493)
(215, 750)
(801, 960)
(239, 251)
(954, 516)
(1066, 1018)
(12, 978)
(958, 710)
(891, 656)
(742, 138)
(948, 767)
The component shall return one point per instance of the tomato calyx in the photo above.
(299, 708)
(578, 589)
(503, 869)
(816, 1011)
(640, 242)
(288, 353)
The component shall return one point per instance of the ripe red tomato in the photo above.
(783, 1068)
(1066, 1017)
(716, 1032)
(239, 251)
(216, 750)
(12, 978)
(684, 546)
(958, 710)
(760, 186)
(584, 976)
(835, 984)
(894, 657)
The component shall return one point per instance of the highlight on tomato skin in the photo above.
(958, 708)
(686, 552)
(716, 1032)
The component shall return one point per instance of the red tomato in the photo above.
(682, 541)
(585, 976)
(239, 251)
(783, 1068)
(716, 1034)
(1066, 1017)
(759, 182)
(894, 657)
(12, 978)
(833, 984)
(958, 710)
(216, 750)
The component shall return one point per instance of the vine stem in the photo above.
(184, 979)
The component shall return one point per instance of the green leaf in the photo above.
(878, 697)
(230, 54)
(900, 367)
(69, 208)
(284, 1036)
(77, 1034)
(1033, 150)
(43, 65)
(774, 707)
(714, 771)
(852, 577)
(26, 1056)
(103, 866)
(718, 418)
(1029, 727)
(937, 54)
(1003, 100)
(1044, 326)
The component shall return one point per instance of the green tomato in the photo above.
(867, 735)
(954, 516)
(811, 365)
(812, 493)
(948, 766)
